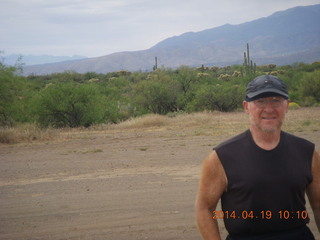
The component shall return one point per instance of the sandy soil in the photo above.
(107, 185)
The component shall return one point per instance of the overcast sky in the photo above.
(100, 27)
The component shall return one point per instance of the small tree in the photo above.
(217, 98)
(157, 95)
(70, 105)
(12, 95)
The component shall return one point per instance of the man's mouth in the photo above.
(268, 118)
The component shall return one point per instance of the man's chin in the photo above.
(269, 129)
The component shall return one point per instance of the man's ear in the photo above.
(245, 105)
(288, 102)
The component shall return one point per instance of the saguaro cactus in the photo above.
(249, 66)
(155, 67)
(248, 56)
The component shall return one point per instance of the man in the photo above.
(261, 175)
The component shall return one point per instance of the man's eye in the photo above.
(276, 100)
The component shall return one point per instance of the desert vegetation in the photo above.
(73, 100)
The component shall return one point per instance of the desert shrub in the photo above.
(309, 101)
(217, 98)
(310, 88)
(293, 105)
(157, 95)
(118, 94)
(15, 93)
(70, 105)
(7, 95)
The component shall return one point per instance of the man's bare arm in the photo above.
(213, 183)
(313, 190)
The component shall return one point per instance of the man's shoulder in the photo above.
(234, 140)
(295, 138)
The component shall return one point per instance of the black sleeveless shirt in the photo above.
(266, 189)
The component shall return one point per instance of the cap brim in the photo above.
(262, 91)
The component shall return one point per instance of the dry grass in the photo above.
(184, 121)
(147, 121)
(303, 120)
(217, 123)
(27, 133)
(195, 124)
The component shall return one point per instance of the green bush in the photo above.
(217, 98)
(310, 88)
(15, 94)
(70, 105)
(157, 95)
(293, 105)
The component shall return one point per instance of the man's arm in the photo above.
(213, 183)
(313, 190)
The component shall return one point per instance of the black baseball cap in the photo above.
(266, 86)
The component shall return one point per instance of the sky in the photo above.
(95, 28)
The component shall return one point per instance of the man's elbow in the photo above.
(201, 206)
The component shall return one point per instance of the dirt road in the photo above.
(109, 185)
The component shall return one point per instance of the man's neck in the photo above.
(265, 140)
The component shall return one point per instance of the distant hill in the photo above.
(283, 38)
(38, 59)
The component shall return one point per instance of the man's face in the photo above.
(267, 114)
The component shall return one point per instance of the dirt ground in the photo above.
(106, 185)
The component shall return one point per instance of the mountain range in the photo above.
(283, 38)
(35, 59)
